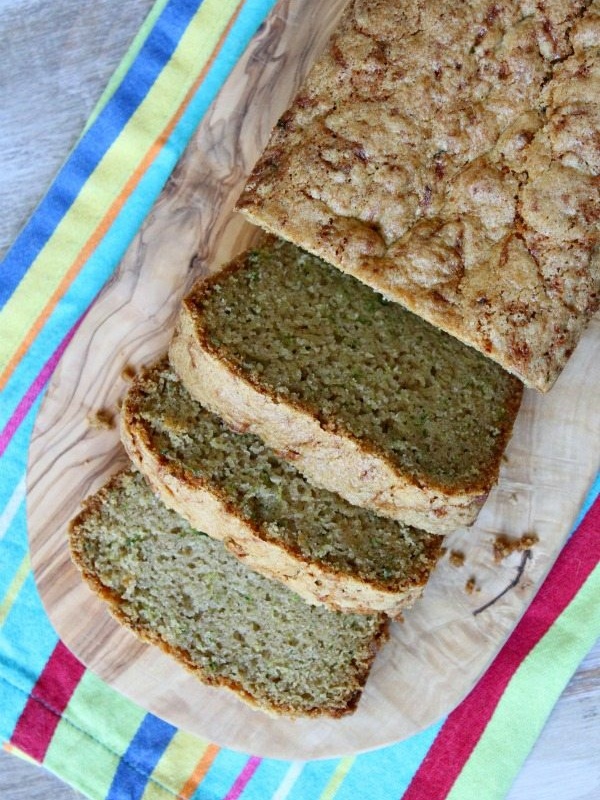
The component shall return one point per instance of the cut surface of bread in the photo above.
(448, 156)
(364, 397)
(234, 488)
(181, 590)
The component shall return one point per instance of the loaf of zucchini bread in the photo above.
(181, 590)
(448, 156)
(234, 488)
(362, 396)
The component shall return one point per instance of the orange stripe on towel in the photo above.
(112, 212)
(199, 772)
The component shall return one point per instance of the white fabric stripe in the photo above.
(11, 508)
(289, 779)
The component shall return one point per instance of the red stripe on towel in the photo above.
(32, 394)
(53, 690)
(464, 726)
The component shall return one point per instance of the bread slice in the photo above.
(232, 487)
(181, 590)
(365, 398)
(447, 155)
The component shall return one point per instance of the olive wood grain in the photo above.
(441, 648)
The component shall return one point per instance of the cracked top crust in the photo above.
(450, 158)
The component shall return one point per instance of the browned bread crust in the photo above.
(325, 450)
(92, 516)
(202, 502)
(448, 156)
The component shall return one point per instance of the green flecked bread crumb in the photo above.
(181, 590)
(233, 487)
(366, 398)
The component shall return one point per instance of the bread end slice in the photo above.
(180, 590)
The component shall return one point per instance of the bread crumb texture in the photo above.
(103, 419)
(456, 558)
(450, 158)
(306, 334)
(178, 588)
(128, 373)
(504, 545)
(271, 496)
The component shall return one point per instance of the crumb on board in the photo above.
(456, 558)
(128, 372)
(471, 586)
(504, 545)
(103, 419)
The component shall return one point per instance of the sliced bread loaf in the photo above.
(365, 398)
(447, 155)
(181, 590)
(234, 488)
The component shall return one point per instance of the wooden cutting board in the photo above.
(446, 641)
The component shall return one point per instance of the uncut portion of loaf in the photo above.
(365, 398)
(447, 154)
(181, 590)
(234, 488)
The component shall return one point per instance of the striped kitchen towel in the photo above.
(61, 715)
(54, 710)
